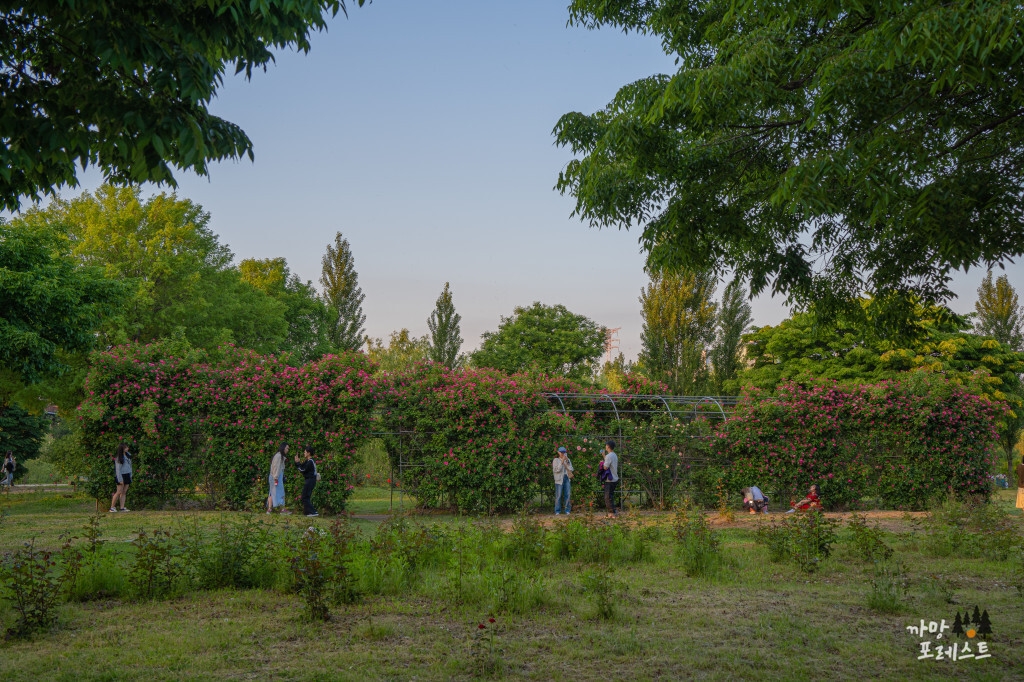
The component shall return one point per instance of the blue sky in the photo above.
(422, 131)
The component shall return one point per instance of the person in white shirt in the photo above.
(562, 468)
(611, 480)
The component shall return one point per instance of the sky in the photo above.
(422, 132)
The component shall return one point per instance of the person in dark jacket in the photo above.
(310, 476)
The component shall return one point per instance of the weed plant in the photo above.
(159, 563)
(868, 541)
(697, 544)
(888, 588)
(34, 581)
(806, 538)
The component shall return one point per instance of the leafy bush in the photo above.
(904, 442)
(698, 545)
(868, 541)
(158, 564)
(34, 581)
(214, 419)
(888, 588)
(239, 553)
(971, 529)
(806, 538)
(604, 590)
(318, 560)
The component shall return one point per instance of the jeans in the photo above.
(609, 495)
(562, 491)
(307, 496)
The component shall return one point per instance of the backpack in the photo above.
(603, 475)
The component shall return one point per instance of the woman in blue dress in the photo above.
(276, 479)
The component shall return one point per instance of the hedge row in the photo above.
(483, 441)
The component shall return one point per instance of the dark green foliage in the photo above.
(237, 554)
(817, 149)
(35, 581)
(527, 541)
(159, 563)
(445, 337)
(343, 296)
(49, 305)
(21, 433)
(126, 85)
(734, 318)
(868, 541)
(888, 588)
(804, 537)
(317, 560)
(698, 545)
(972, 529)
(546, 339)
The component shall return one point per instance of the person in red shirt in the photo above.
(812, 501)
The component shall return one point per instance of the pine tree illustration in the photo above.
(958, 627)
(985, 625)
(976, 616)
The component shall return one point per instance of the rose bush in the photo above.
(212, 420)
(905, 443)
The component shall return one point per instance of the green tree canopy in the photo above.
(445, 335)
(543, 338)
(181, 275)
(819, 149)
(678, 328)
(402, 352)
(126, 85)
(998, 312)
(310, 321)
(734, 318)
(342, 293)
(49, 305)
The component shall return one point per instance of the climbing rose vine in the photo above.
(212, 421)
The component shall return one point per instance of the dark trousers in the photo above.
(307, 496)
(609, 495)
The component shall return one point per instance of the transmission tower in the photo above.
(611, 341)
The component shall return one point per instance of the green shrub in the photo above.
(888, 588)
(806, 538)
(775, 537)
(526, 544)
(35, 581)
(239, 553)
(974, 529)
(159, 563)
(697, 544)
(318, 559)
(605, 591)
(868, 541)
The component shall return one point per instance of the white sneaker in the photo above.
(113, 510)
(124, 510)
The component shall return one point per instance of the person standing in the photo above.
(611, 481)
(1020, 484)
(123, 475)
(276, 479)
(310, 477)
(8, 470)
(562, 468)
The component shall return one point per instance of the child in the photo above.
(812, 501)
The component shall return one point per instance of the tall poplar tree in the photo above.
(445, 336)
(999, 313)
(678, 327)
(341, 292)
(734, 318)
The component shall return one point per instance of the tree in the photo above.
(179, 274)
(342, 294)
(678, 327)
(20, 432)
(984, 625)
(542, 338)
(819, 149)
(49, 305)
(445, 337)
(402, 352)
(958, 626)
(999, 313)
(126, 86)
(734, 318)
(309, 320)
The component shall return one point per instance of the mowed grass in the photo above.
(757, 620)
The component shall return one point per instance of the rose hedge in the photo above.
(212, 421)
(903, 442)
(483, 441)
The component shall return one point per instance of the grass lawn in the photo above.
(755, 620)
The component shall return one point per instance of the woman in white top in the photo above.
(563, 471)
(276, 479)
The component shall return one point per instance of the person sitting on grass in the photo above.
(755, 500)
(812, 501)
